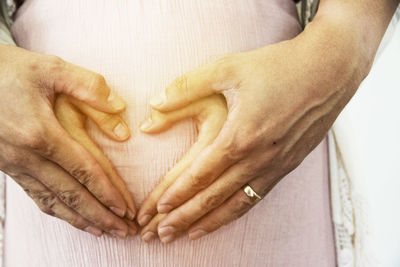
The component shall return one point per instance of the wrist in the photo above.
(352, 30)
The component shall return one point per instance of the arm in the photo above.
(285, 98)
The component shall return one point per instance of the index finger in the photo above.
(85, 85)
(204, 81)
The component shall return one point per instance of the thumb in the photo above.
(194, 85)
(86, 86)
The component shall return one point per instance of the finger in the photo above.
(195, 85)
(50, 204)
(111, 124)
(209, 165)
(132, 227)
(210, 113)
(57, 146)
(85, 85)
(73, 122)
(77, 197)
(149, 232)
(232, 209)
(203, 202)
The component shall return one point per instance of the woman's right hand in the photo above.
(210, 114)
(62, 177)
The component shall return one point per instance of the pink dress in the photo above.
(141, 46)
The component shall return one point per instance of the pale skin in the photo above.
(281, 100)
(209, 114)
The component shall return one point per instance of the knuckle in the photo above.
(242, 206)
(178, 87)
(46, 210)
(198, 181)
(108, 119)
(37, 141)
(73, 199)
(183, 220)
(55, 63)
(106, 222)
(98, 81)
(211, 201)
(46, 199)
(181, 82)
(14, 159)
(84, 176)
(77, 222)
(215, 223)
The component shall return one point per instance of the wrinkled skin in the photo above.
(62, 177)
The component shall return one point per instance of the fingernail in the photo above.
(148, 236)
(118, 233)
(157, 100)
(197, 234)
(116, 101)
(166, 230)
(118, 211)
(164, 208)
(168, 238)
(121, 131)
(146, 124)
(130, 214)
(143, 220)
(94, 231)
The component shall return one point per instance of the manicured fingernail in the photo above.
(164, 208)
(146, 124)
(157, 100)
(116, 101)
(118, 233)
(94, 231)
(148, 236)
(143, 220)
(130, 214)
(121, 131)
(118, 211)
(197, 234)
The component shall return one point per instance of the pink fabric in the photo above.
(141, 46)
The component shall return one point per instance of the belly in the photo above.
(141, 46)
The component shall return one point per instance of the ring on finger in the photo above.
(250, 192)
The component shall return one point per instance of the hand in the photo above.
(209, 114)
(72, 114)
(54, 170)
(282, 99)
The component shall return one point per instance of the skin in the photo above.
(62, 177)
(209, 114)
(275, 118)
(282, 99)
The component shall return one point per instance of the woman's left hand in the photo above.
(282, 99)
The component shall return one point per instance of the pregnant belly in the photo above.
(141, 46)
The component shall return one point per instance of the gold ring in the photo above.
(250, 192)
